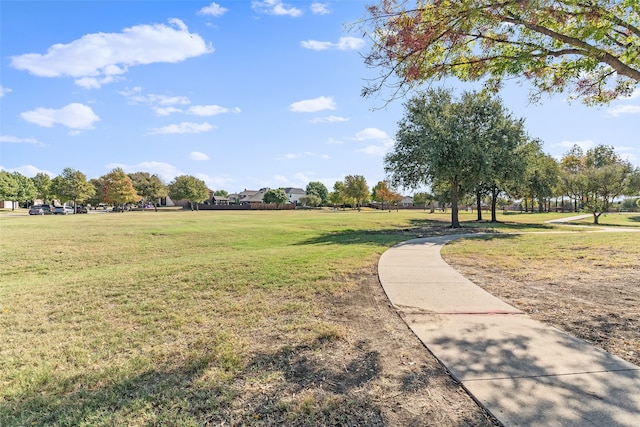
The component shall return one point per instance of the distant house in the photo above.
(8, 204)
(248, 196)
(294, 194)
(406, 201)
(216, 200)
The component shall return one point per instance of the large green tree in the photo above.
(357, 189)
(16, 187)
(275, 196)
(190, 188)
(445, 142)
(589, 47)
(319, 189)
(607, 177)
(572, 183)
(8, 186)
(149, 187)
(118, 189)
(383, 194)
(339, 194)
(72, 184)
(498, 137)
(42, 182)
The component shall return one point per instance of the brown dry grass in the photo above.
(586, 284)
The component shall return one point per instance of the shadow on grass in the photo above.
(157, 396)
(418, 228)
(387, 237)
(290, 386)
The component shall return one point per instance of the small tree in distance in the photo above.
(319, 189)
(357, 189)
(311, 200)
(118, 189)
(149, 187)
(72, 184)
(190, 188)
(276, 197)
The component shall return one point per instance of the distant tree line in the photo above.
(116, 188)
(472, 147)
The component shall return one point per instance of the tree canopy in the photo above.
(383, 194)
(275, 196)
(319, 189)
(589, 48)
(16, 187)
(117, 188)
(187, 187)
(42, 182)
(357, 189)
(606, 176)
(149, 187)
(72, 184)
(442, 141)
(339, 194)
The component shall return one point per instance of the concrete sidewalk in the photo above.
(523, 372)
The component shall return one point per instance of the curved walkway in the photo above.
(523, 372)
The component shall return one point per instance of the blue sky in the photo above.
(241, 94)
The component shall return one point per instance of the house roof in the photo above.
(294, 190)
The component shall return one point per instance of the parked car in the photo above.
(81, 209)
(40, 210)
(63, 210)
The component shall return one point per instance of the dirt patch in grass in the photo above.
(373, 371)
(592, 298)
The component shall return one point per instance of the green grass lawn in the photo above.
(148, 318)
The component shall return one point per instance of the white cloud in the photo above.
(163, 105)
(195, 155)
(184, 127)
(385, 143)
(320, 8)
(313, 105)
(584, 145)
(377, 150)
(4, 91)
(74, 116)
(156, 100)
(370, 133)
(333, 141)
(165, 111)
(215, 182)
(15, 140)
(130, 91)
(29, 171)
(99, 58)
(275, 7)
(293, 156)
(164, 170)
(623, 109)
(345, 43)
(329, 119)
(214, 9)
(210, 110)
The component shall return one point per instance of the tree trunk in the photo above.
(596, 217)
(455, 223)
(494, 201)
(479, 205)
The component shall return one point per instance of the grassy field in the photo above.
(150, 318)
